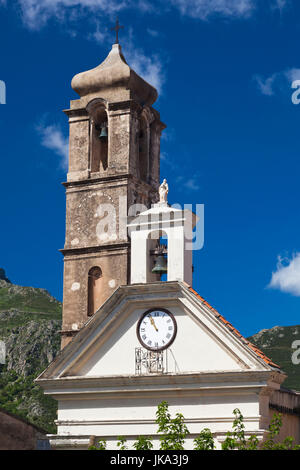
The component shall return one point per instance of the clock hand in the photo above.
(153, 323)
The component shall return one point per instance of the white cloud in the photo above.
(292, 74)
(280, 4)
(286, 278)
(266, 85)
(168, 134)
(204, 8)
(277, 82)
(36, 13)
(144, 6)
(153, 32)
(148, 67)
(99, 35)
(53, 139)
(164, 156)
(192, 184)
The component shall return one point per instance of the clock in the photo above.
(156, 329)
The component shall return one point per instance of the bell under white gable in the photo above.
(176, 225)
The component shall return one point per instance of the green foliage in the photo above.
(273, 432)
(236, 439)
(100, 446)
(173, 431)
(204, 441)
(29, 322)
(143, 443)
(121, 443)
(28, 299)
(252, 443)
(277, 344)
(20, 396)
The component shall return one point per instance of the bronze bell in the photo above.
(161, 266)
(103, 134)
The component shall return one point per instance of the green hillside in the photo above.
(276, 343)
(30, 320)
(28, 299)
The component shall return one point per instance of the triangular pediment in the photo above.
(106, 345)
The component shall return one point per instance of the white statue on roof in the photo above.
(163, 192)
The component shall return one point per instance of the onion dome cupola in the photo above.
(114, 80)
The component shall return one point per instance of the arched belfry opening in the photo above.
(143, 147)
(99, 129)
(94, 289)
(158, 256)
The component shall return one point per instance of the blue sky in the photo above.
(224, 70)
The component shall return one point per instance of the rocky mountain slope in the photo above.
(30, 320)
(276, 343)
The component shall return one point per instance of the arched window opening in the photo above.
(154, 151)
(94, 289)
(99, 154)
(143, 151)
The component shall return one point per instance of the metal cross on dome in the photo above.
(116, 29)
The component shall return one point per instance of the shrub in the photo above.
(173, 432)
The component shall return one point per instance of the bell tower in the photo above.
(172, 224)
(114, 164)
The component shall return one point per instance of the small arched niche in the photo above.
(94, 289)
(99, 137)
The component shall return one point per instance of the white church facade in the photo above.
(130, 340)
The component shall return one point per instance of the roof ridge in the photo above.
(254, 348)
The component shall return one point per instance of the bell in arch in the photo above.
(161, 266)
(103, 134)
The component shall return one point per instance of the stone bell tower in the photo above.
(114, 162)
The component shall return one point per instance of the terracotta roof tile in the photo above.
(257, 351)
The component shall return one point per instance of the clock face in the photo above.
(156, 329)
